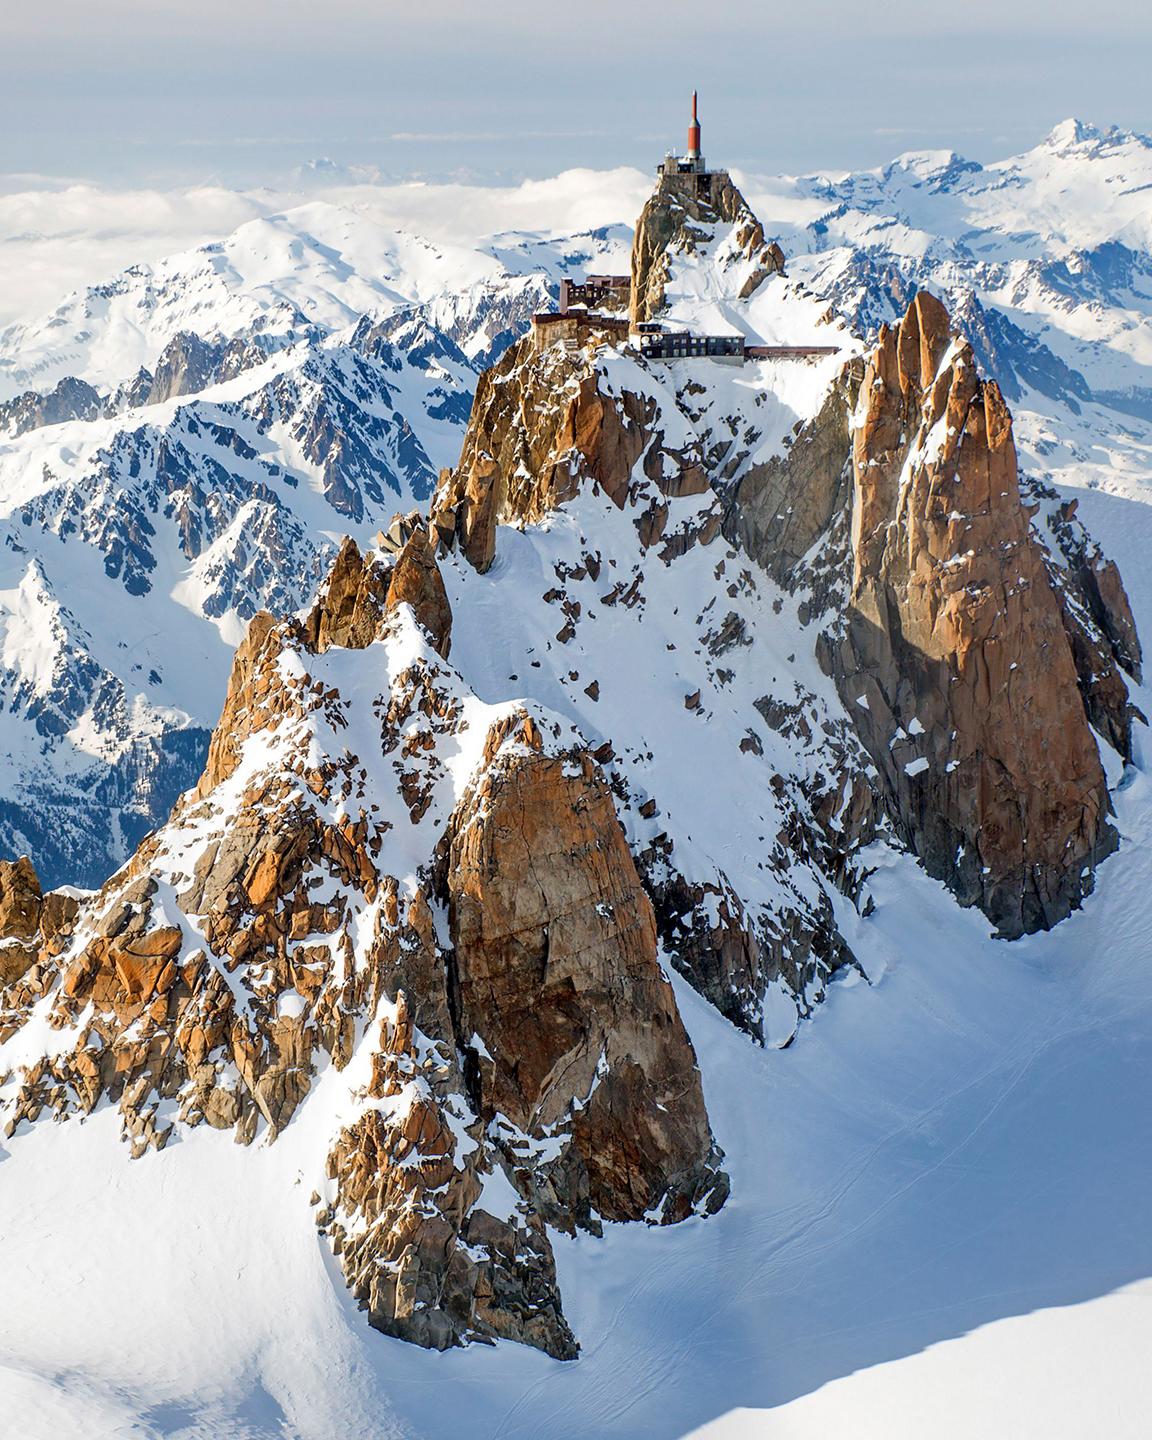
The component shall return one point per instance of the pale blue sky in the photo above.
(246, 90)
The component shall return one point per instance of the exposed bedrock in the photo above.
(523, 1039)
(683, 214)
(952, 657)
(558, 984)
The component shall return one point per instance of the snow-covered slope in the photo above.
(317, 267)
(938, 1186)
(56, 239)
(938, 1213)
(1044, 256)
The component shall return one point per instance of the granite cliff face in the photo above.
(444, 928)
(556, 980)
(953, 660)
(543, 425)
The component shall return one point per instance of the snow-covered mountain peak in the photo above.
(320, 266)
(1071, 134)
(743, 635)
(938, 170)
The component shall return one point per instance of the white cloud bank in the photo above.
(54, 240)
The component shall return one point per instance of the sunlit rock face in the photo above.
(954, 660)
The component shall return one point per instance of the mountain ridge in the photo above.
(523, 853)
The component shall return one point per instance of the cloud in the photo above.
(56, 238)
(489, 137)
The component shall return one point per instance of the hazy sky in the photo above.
(156, 91)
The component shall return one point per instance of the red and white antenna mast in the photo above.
(694, 133)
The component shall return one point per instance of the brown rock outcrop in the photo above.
(572, 1027)
(540, 425)
(421, 1253)
(253, 678)
(777, 511)
(953, 660)
(21, 904)
(20, 899)
(349, 611)
(416, 581)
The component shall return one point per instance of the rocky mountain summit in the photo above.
(660, 664)
(682, 218)
(954, 659)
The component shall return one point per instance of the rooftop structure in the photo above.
(574, 328)
(692, 162)
(594, 291)
(694, 135)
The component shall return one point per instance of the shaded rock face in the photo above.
(779, 510)
(1016, 358)
(274, 930)
(539, 422)
(70, 399)
(953, 659)
(827, 816)
(542, 426)
(680, 217)
(189, 364)
(1097, 618)
(549, 426)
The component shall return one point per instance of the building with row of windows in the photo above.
(660, 344)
